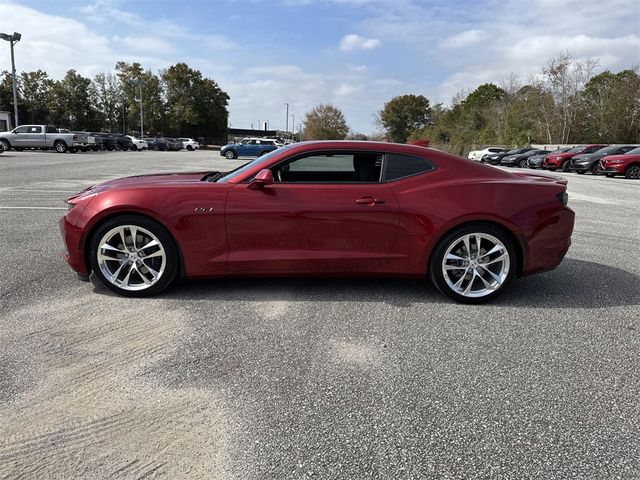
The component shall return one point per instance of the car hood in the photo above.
(158, 179)
(587, 156)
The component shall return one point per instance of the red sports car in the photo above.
(324, 208)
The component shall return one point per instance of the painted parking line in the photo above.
(9, 190)
(33, 208)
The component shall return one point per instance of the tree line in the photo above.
(566, 103)
(177, 101)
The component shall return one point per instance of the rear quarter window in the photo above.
(401, 166)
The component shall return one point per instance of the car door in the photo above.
(18, 138)
(322, 213)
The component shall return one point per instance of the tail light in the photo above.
(563, 197)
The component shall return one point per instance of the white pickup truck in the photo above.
(43, 137)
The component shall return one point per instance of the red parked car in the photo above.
(627, 164)
(324, 208)
(561, 160)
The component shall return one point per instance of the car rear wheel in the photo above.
(5, 145)
(473, 264)
(230, 154)
(60, 146)
(523, 163)
(155, 148)
(134, 256)
(580, 172)
(633, 172)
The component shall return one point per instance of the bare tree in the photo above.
(565, 77)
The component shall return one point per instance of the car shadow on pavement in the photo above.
(574, 284)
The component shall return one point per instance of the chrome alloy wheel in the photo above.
(475, 265)
(131, 257)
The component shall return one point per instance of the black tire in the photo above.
(124, 149)
(189, 148)
(230, 154)
(435, 265)
(595, 169)
(5, 144)
(60, 146)
(565, 166)
(632, 172)
(172, 266)
(155, 148)
(523, 163)
(118, 148)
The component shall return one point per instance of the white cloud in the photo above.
(356, 42)
(345, 89)
(357, 68)
(464, 39)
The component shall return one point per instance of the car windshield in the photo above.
(515, 150)
(635, 151)
(577, 149)
(609, 149)
(264, 159)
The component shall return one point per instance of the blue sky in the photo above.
(354, 54)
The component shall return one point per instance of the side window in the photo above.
(495, 150)
(21, 130)
(592, 149)
(253, 142)
(331, 168)
(51, 129)
(626, 149)
(35, 129)
(401, 166)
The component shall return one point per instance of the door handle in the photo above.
(369, 201)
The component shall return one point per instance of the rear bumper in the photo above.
(549, 242)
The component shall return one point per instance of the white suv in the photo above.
(140, 144)
(478, 154)
(189, 143)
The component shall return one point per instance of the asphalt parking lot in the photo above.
(313, 378)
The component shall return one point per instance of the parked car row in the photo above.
(44, 137)
(596, 158)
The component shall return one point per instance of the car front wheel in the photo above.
(134, 256)
(473, 264)
(230, 154)
(633, 172)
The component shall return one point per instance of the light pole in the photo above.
(13, 39)
(286, 128)
(139, 83)
(293, 126)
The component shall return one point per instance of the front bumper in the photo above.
(580, 167)
(615, 168)
(72, 239)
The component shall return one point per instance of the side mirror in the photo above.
(263, 178)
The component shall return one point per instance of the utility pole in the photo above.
(286, 128)
(13, 39)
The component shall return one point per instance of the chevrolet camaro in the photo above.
(333, 208)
